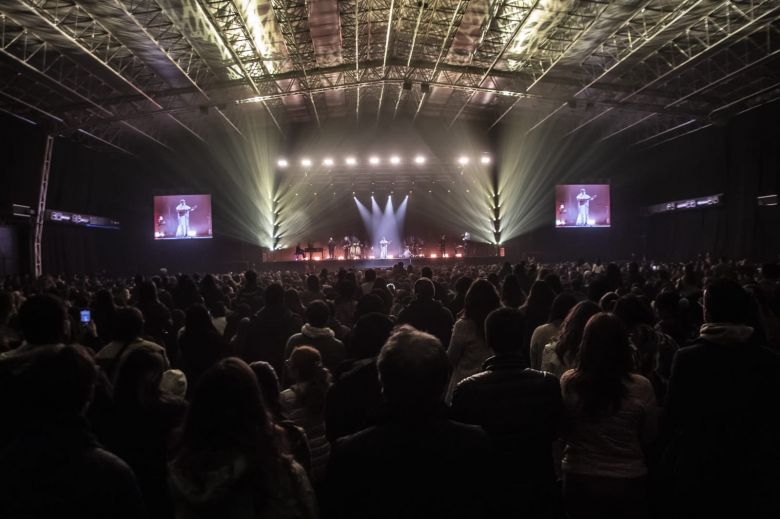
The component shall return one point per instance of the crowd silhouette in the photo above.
(569, 390)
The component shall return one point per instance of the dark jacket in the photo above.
(268, 334)
(724, 416)
(354, 402)
(519, 408)
(429, 316)
(433, 467)
(59, 470)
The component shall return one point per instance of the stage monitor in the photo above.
(182, 217)
(582, 205)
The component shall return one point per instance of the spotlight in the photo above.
(373, 161)
(305, 163)
(351, 161)
(282, 163)
(419, 159)
(327, 161)
(485, 159)
(463, 160)
(395, 159)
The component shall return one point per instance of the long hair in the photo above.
(306, 364)
(570, 336)
(511, 292)
(227, 413)
(138, 381)
(198, 321)
(227, 417)
(481, 299)
(603, 365)
(537, 306)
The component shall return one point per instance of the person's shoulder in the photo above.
(567, 376)
(108, 465)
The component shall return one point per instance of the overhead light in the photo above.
(282, 163)
(419, 159)
(306, 162)
(485, 159)
(351, 161)
(463, 160)
(327, 161)
(395, 159)
(373, 161)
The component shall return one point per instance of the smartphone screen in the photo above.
(85, 316)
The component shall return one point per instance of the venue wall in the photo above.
(739, 158)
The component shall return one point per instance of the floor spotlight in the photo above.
(351, 161)
(373, 161)
(282, 163)
(305, 163)
(463, 160)
(419, 159)
(327, 161)
(485, 159)
(395, 159)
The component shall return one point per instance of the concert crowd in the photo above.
(580, 390)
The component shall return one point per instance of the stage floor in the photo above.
(333, 265)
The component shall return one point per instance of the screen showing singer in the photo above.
(582, 205)
(182, 217)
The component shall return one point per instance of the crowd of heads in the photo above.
(260, 393)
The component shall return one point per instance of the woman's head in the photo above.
(481, 299)
(198, 320)
(226, 410)
(572, 328)
(138, 380)
(313, 283)
(305, 367)
(604, 362)
(512, 292)
(305, 364)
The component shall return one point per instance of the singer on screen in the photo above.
(183, 213)
(583, 207)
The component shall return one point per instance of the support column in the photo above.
(41, 212)
(496, 209)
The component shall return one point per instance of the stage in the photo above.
(362, 264)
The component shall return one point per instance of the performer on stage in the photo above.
(183, 214)
(443, 245)
(466, 244)
(331, 247)
(383, 248)
(583, 207)
(299, 255)
(345, 244)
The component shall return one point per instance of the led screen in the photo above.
(582, 205)
(182, 217)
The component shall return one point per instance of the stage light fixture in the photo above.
(395, 160)
(327, 161)
(419, 159)
(485, 159)
(305, 163)
(282, 163)
(351, 161)
(463, 160)
(373, 161)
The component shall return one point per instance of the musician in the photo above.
(183, 215)
(466, 243)
(443, 245)
(383, 248)
(331, 247)
(583, 207)
(345, 244)
(299, 254)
